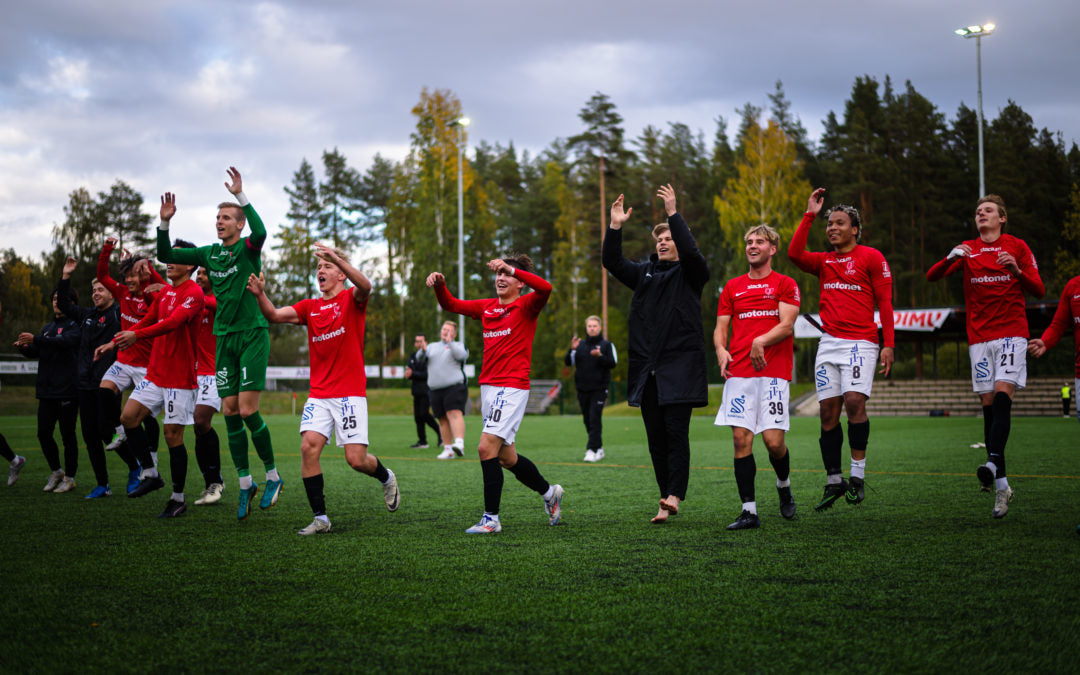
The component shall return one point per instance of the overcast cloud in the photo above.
(166, 95)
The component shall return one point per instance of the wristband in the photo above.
(164, 225)
(956, 253)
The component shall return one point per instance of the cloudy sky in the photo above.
(166, 95)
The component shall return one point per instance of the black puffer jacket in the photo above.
(97, 326)
(592, 373)
(666, 334)
(55, 348)
(418, 365)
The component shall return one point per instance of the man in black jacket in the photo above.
(416, 371)
(55, 349)
(98, 325)
(592, 358)
(667, 342)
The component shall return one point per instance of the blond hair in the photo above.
(766, 231)
(240, 217)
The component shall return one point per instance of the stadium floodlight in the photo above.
(978, 32)
(461, 123)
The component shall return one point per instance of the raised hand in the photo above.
(496, 265)
(667, 193)
(256, 285)
(436, 279)
(69, 267)
(618, 215)
(817, 198)
(324, 252)
(574, 342)
(168, 206)
(111, 242)
(236, 186)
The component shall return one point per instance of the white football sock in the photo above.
(177, 496)
(245, 482)
(858, 468)
(272, 474)
(750, 506)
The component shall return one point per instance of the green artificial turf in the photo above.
(919, 577)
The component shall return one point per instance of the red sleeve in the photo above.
(1062, 317)
(881, 278)
(1030, 280)
(789, 292)
(797, 253)
(150, 318)
(209, 302)
(302, 310)
(155, 278)
(471, 308)
(103, 273)
(541, 289)
(188, 310)
(943, 268)
(725, 307)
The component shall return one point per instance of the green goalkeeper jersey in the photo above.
(228, 268)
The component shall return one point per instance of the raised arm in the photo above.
(1026, 270)
(611, 255)
(361, 284)
(797, 253)
(470, 308)
(188, 310)
(459, 351)
(103, 268)
(256, 285)
(235, 185)
(693, 262)
(63, 293)
(541, 286)
(949, 264)
(165, 252)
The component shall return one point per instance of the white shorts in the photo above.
(1001, 360)
(208, 392)
(179, 404)
(124, 376)
(503, 408)
(755, 403)
(346, 417)
(843, 366)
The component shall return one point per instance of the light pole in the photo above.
(978, 32)
(461, 123)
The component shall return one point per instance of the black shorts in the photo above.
(449, 398)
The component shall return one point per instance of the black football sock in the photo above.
(178, 464)
(208, 456)
(493, 484)
(381, 474)
(313, 485)
(832, 445)
(745, 470)
(781, 466)
(139, 446)
(999, 433)
(526, 472)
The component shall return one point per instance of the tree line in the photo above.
(909, 169)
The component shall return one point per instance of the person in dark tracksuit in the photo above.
(666, 370)
(416, 371)
(592, 358)
(55, 348)
(98, 324)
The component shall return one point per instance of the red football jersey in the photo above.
(850, 285)
(173, 318)
(754, 308)
(132, 309)
(207, 342)
(335, 330)
(993, 296)
(1067, 314)
(508, 330)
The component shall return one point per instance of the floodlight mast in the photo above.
(461, 123)
(978, 32)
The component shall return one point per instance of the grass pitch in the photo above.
(917, 578)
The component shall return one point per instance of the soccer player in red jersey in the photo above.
(338, 398)
(170, 382)
(207, 401)
(129, 369)
(852, 278)
(509, 322)
(760, 308)
(1067, 314)
(998, 269)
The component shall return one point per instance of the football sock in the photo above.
(153, 434)
(750, 506)
(832, 444)
(260, 438)
(5, 450)
(381, 474)
(246, 482)
(177, 496)
(782, 467)
(1001, 483)
(139, 447)
(745, 470)
(834, 478)
(526, 472)
(313, 485)
(550, 493)
(153, 457)
(988, 421)
(208, 456)
(238, 445)
(178, 463)
(108, 412)
(459, 443)
(493, 484)
(858, 435)
(858, 468)
(999, 432)
(993, 467)
(124, 453)
(272, 474)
